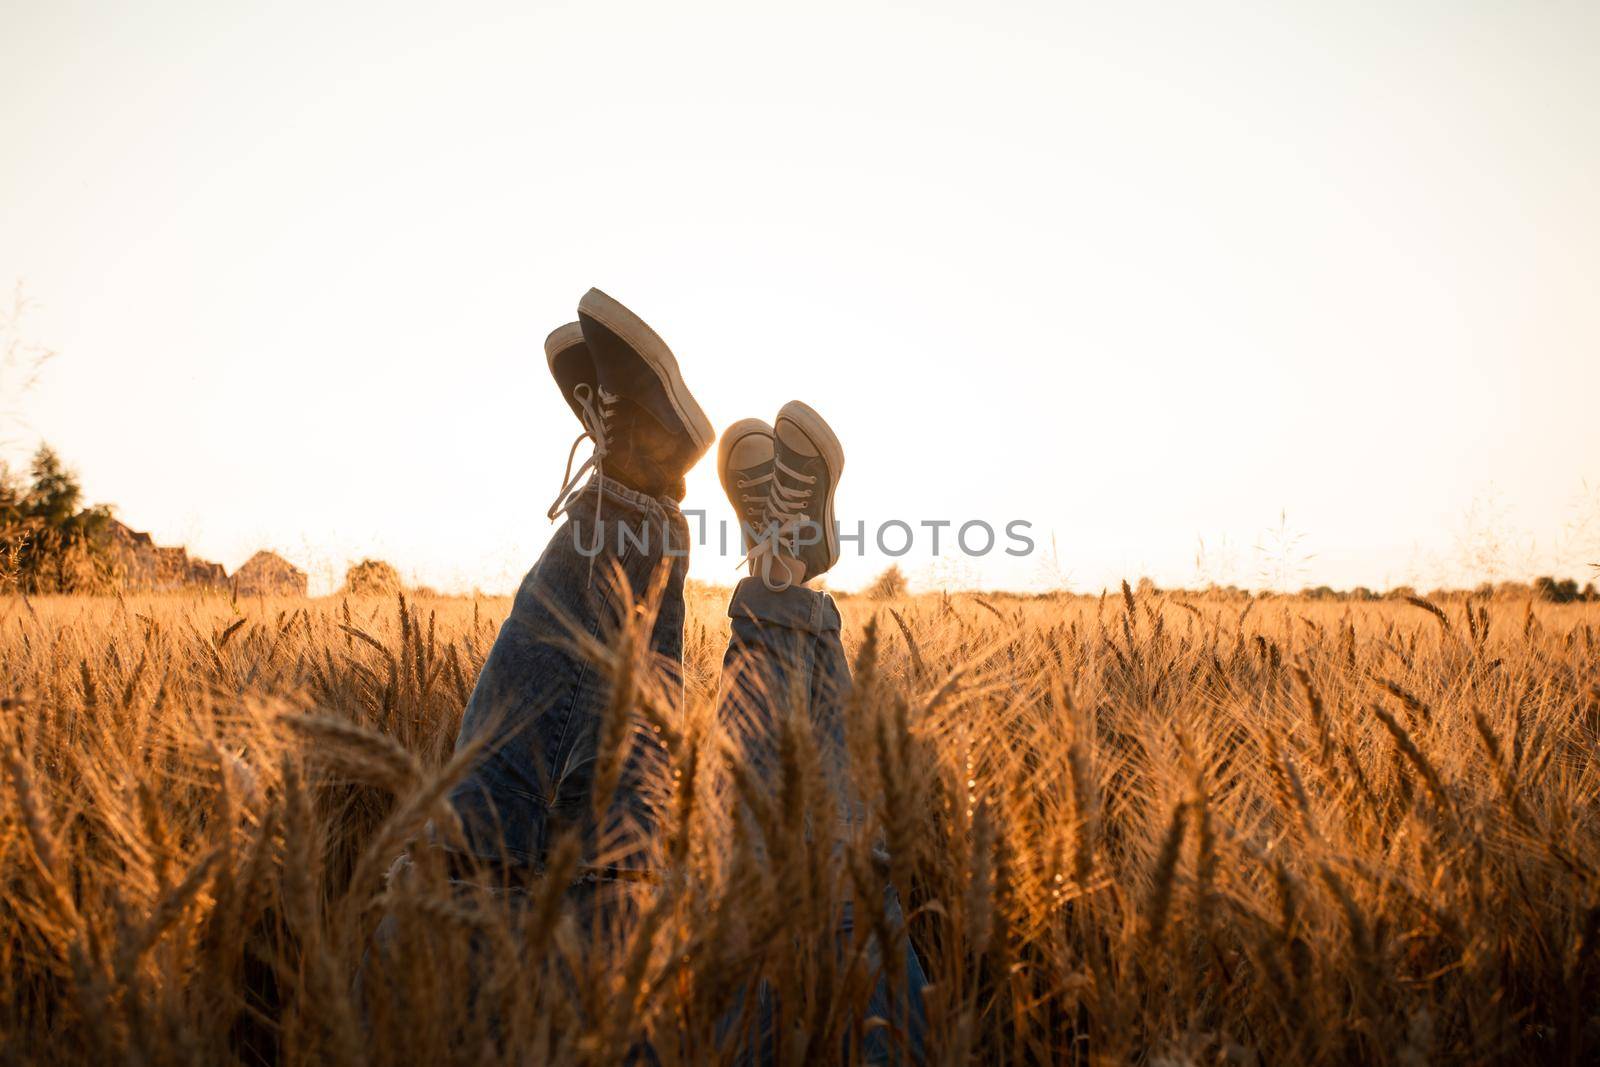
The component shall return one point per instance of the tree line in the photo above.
(50, 542)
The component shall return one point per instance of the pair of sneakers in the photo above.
(646, 430)
(780, 480)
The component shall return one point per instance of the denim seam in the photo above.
(810, 664)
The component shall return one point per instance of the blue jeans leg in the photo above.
(785, 657)
(538, 701)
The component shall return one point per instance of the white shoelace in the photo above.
(595, 414)
(759, 498)
(788, 509)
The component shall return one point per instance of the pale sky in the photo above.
(1138, 274)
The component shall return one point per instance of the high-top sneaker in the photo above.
(574, 370)
(655, 431)
(806, 464)
(744, 464)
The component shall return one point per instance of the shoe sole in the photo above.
(561, 338)
(649, 346)
(819, 433)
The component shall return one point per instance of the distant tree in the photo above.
(372, 577)
(889, 585)
(48, 542)
(1564, 591)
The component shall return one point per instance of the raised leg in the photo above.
(539, 700)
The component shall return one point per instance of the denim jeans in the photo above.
(540, 702)
(785, 657)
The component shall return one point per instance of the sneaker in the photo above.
(653, 429)
(744, 464)
(573, 368)
(806, 465)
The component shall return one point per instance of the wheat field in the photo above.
(1125, 830)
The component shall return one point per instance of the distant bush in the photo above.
(1564, 591)
(888, 585)
(372, 577)
(1218, 592)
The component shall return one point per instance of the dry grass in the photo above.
(1125, 830)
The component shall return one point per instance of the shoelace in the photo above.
(788, 508)
(595, 414)
(758, 498)
(761, 537)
